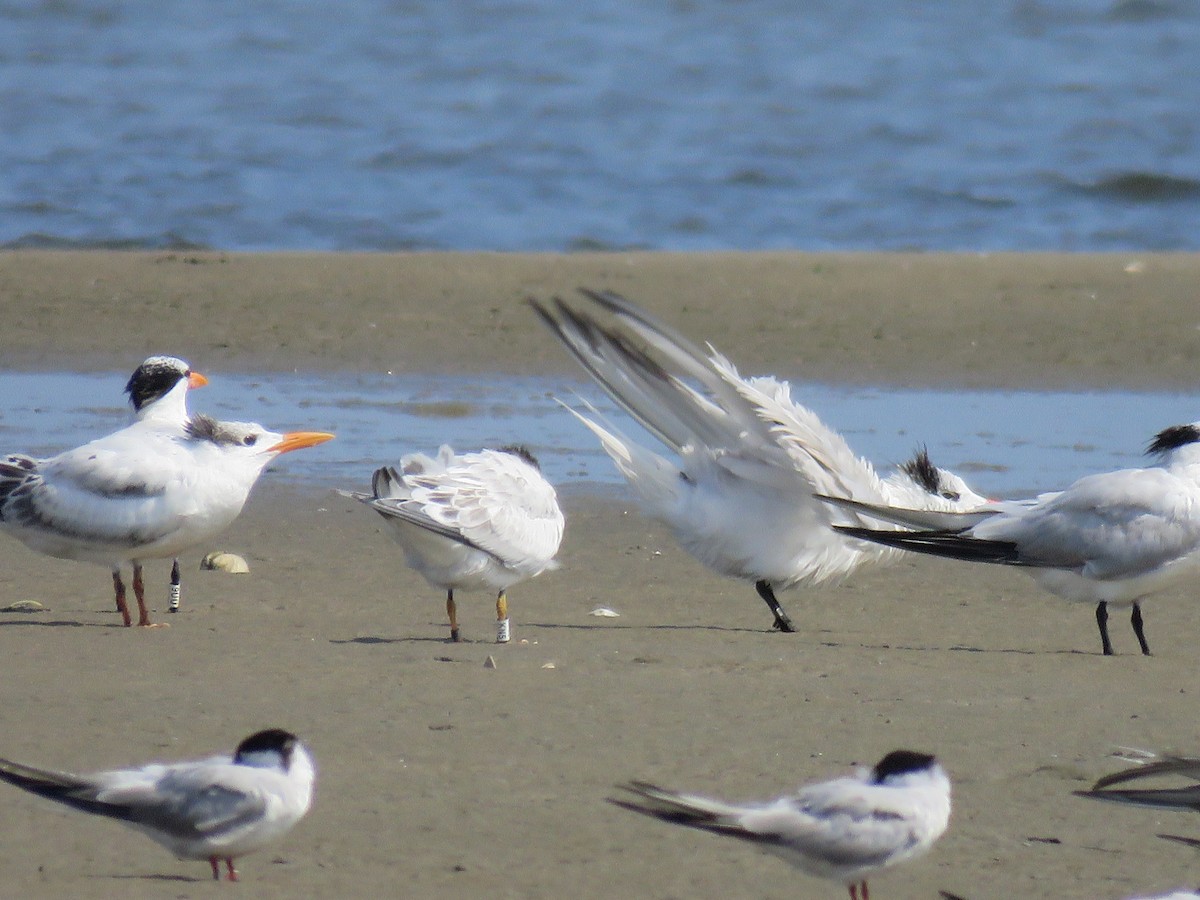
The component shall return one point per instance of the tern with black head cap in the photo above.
(214, 809)
(141, 493)
(844, 830)
(157, 392)
(1110, 538)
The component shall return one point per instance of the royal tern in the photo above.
(740, 499)
(214, 809)
(157, 392)
(845, 830)
(140, 493)
(484, 520)
(1110, 538)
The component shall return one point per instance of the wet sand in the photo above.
(442, 778)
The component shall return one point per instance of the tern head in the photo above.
(1170, 439)
(252, 436)
(271, 748)
(940, 483)
(159, 377)
(522, 453)
(900, 763)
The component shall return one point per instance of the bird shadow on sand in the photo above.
(185, 879)
(375, 639)
(574, 626)
(956, 648)
(59, 623)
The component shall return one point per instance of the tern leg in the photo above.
(502, 633)
(782, 622)
(1136, 619)
(233, 876)
(173, 603)
(854, 892)
(216, 867)
(452, 612)
(139, 592)
(119, 589)
(1102, 621)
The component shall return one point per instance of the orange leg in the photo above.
(139, 591)
(215, 862)
(502, 618)
(119, 588)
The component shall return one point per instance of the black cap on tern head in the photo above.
(922, 470)
(1176, 436)
(155, 378)
(901, 762)
(271, 740)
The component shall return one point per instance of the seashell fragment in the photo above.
(489, 663)
(605, 612)
(23, 606)
(221, 561)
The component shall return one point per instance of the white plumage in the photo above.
(739, 498)
(846, 829)
(213, 809)
(141, 493)
(1110, 538)
(476, 521)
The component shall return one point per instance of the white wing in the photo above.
(491, 500)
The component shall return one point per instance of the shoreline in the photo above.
(1052, 321)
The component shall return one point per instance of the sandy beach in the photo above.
(439, 777)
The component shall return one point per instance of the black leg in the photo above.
(1136, 619)
(173, 599)
(452, 612)
(782, 622)
(1102, 621)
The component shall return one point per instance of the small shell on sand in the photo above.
(605, 612)
(23, 606)
(489, 663)
(220, 561)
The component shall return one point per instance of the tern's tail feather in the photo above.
(939, 543)
(656, 480)
(922, 519)
(61, 787)
(683, 809)
(1161, 798)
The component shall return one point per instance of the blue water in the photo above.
(553, 125)
(1006, 444)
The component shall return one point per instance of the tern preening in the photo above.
(740, 497)
(215, 809)
(157, 392)
(141, 493)
(473, 521)
(845, 830)
(1111, 538)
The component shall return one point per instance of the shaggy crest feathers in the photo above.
(1171, 438)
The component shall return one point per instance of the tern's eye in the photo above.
(250, 440)
(951, 495)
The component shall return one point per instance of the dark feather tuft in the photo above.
(1170, 438)
(922, 470)
(521, 452)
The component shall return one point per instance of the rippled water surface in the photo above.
(1004, 443)
(548, 125)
